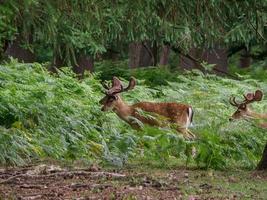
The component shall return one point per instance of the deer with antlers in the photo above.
(180, 115)
(243, 111)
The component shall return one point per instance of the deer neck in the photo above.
(122, 109)
(257, 115)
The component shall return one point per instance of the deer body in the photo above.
(173, 112)
(180, 115)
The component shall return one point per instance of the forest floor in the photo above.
(45, 181)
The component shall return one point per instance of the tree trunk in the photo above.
(165, 53)
(154, 53)
(263, 162)
(217, 56)
(5, 45)
(189, 64)
(141, 54)
(111, 54)
(245, 59)
(84, 63)
(57, 63)
(15, 50)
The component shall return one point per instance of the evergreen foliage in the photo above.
(66, 28)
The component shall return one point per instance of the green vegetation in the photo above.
(67, 29)
(54, 55)
(48, 116)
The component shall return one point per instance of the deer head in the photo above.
(242, 108)
(112, 97)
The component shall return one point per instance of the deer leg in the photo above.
(191, 134)
(186, 133)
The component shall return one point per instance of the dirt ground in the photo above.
(54, 182)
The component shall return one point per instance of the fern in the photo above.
(59, 117)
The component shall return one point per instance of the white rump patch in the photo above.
(189, 117)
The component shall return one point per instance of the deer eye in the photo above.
(101, 101)
(112, 98)
(243, 106)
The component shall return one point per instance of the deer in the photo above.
(178, 114)
(244, 112)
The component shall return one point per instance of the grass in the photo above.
(234, 184)
(210, 184)
(46, 116)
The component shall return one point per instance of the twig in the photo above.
(94, 186)
(32, 186)
(77, 173)
(33, 197)
(256, 28)
(257, 32)
(11, 178)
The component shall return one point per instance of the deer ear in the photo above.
(258, 95)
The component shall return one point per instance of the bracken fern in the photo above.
(43, 115)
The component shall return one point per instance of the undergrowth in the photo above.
(59, 117)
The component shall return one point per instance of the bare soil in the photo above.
(53, 182)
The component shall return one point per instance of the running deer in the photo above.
(243, 111)
(178, 114)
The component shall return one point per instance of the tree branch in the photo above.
(199, 62)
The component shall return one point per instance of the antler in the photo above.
(249, 98)
(117, 86)
(106, 86)
(233, 102)
(131, 85)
